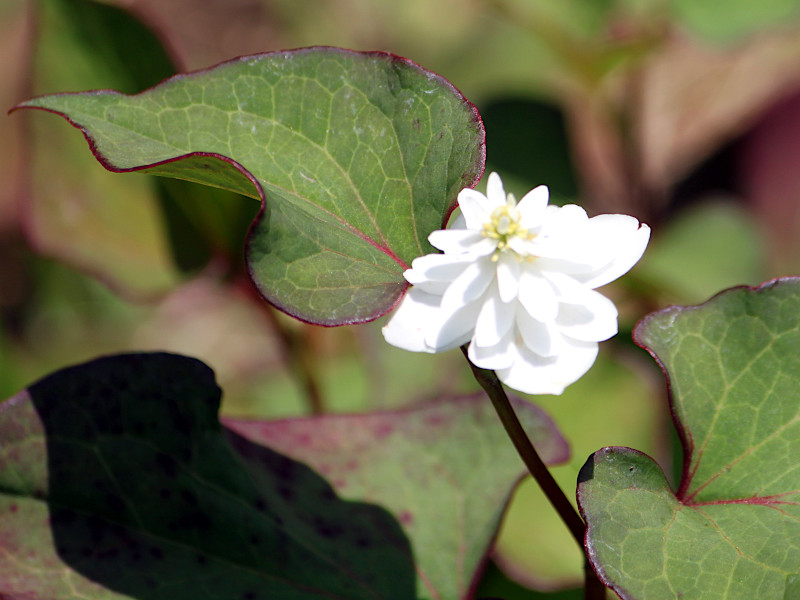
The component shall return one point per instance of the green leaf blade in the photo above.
(732, 530)
(355, 156)
(746, 342)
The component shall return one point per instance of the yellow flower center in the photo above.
(504, 225)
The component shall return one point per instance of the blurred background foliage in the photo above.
(684, 113)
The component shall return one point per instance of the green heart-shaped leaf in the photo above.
(732, 530)
(356, 158)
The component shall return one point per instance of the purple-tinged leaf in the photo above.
(445, 470)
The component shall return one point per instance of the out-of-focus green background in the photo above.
(684, 113)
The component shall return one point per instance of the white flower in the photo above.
(516, 281)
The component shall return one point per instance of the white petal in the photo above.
(458, 221)
(564, 220)
(573, 254)
(532, 206)
(564, 237)
(597, 248)
(534, 374)
(536, 295)
(543, 338)
(567, 287)
(627, 240)
(499, 356)
(553, 260)
(459, 241)
(522, 246)
(468, 286)
(571, 228)
(436, 267)
(494, 191)
(508, 276)
(437, 288)
(475, 208)
(453, 330)
(495, 320)
(412, 320)
(594, 319)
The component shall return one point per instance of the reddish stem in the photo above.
(594, 588)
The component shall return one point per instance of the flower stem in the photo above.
(593, 589)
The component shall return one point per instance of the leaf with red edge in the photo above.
(445, 470)
(355, 156)
(732, 530)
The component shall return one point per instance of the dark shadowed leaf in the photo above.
(445, 470)
(116, 481)
(732, 530)
(357, 157)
